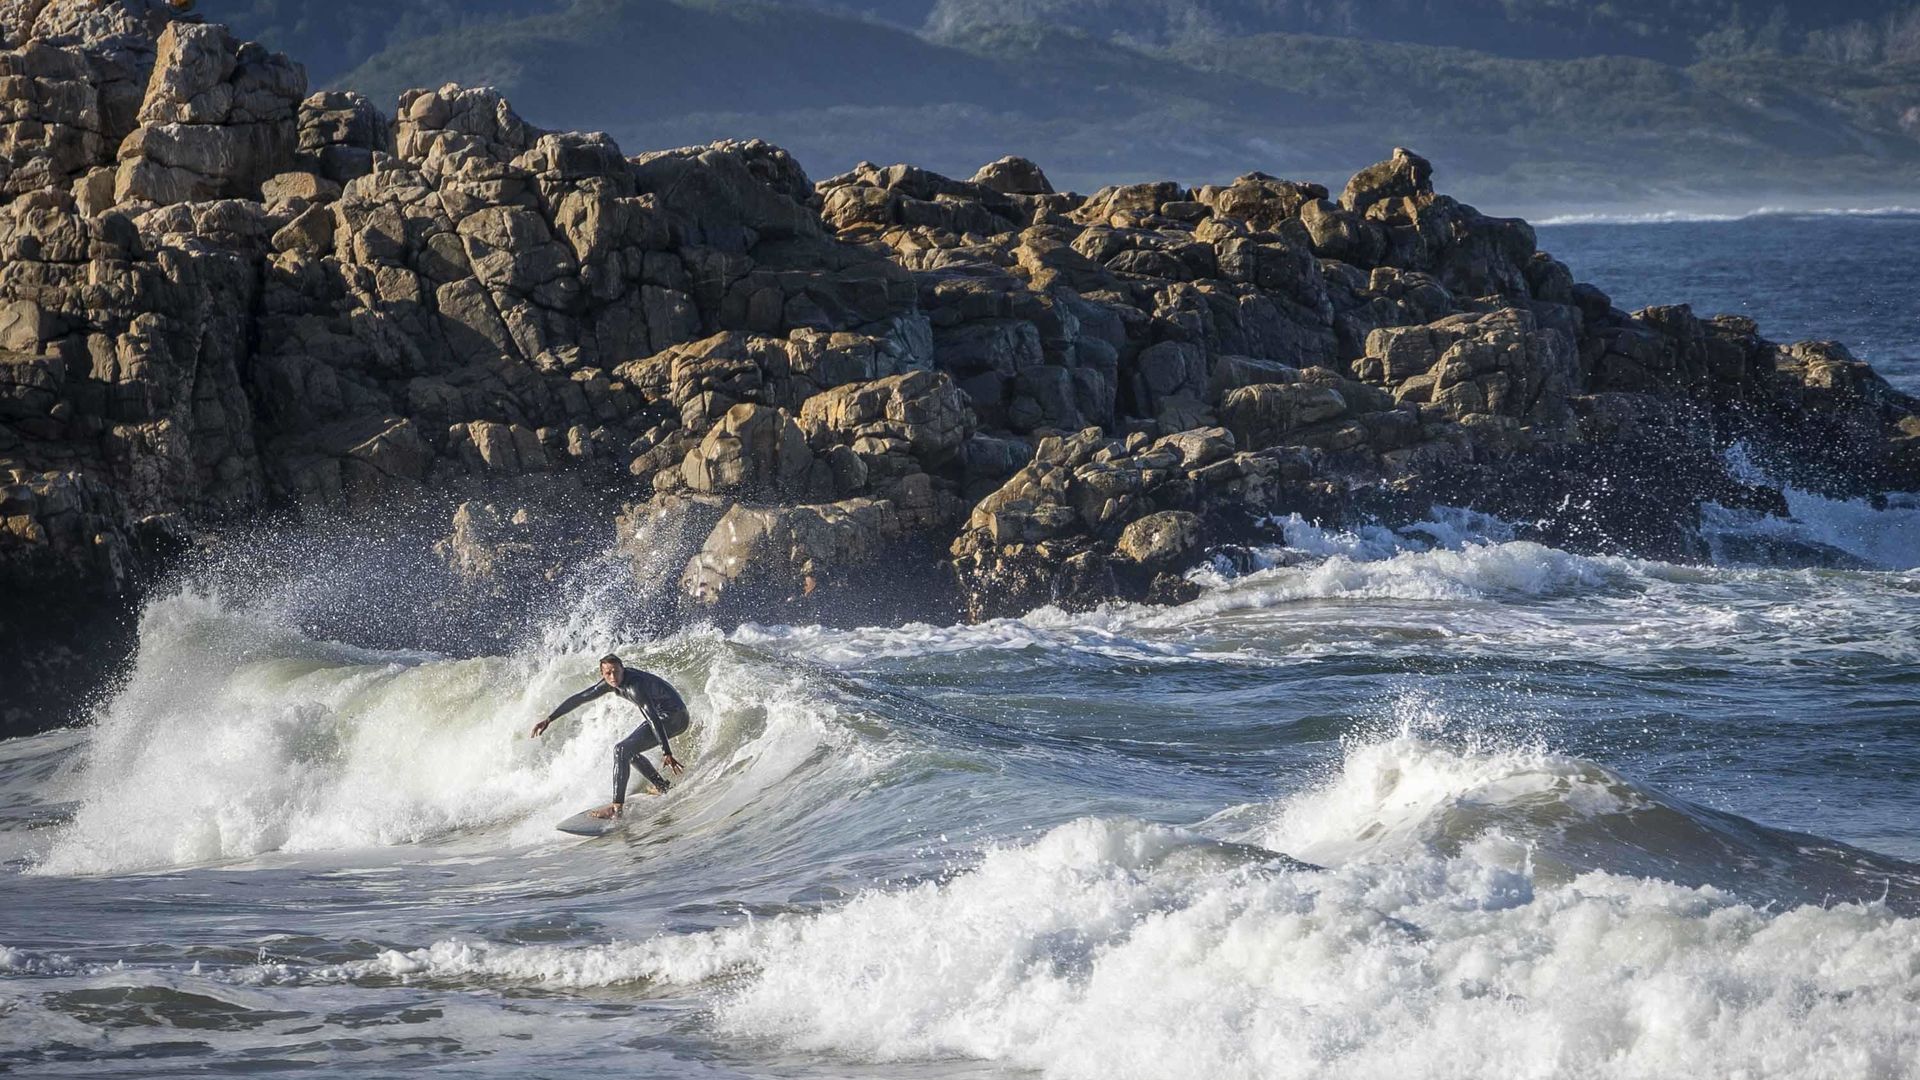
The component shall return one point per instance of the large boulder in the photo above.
(1405, 175)
(219, 117)
(1500, 363)
(789, 559)
(730, 195)
(339, 133)
(1838, 423)
(1091, 518)
(1276, 414)
(1263, 203)
(1013, 176)
(754, 451)
(1161, 539)
(920, 414)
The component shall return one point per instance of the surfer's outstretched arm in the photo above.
(571, 704)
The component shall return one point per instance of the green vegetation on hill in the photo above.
(1672, 31)
(332, 38)
(1523, 102)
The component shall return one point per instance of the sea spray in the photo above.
(1879, 534)
(237, 736)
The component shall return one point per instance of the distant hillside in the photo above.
(658, 73)
(1532, 103)
(1672, 31)
(339, 35)
(336, 36)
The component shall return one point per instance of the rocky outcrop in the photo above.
(1091, 517)
(217, 120)
(221, 297)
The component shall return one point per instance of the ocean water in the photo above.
(1434, 802)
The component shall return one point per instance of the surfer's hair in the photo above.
(612, 658)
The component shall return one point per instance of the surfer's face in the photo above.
(611, 673)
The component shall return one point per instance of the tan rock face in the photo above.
(1013, 176)
(1090, 518)
(1499, 364)
(755, 450)
(218, 118)
(921, 410)
(1406, 175)
(1278, 414)
(222, 294)
(1162, 539)
(787, 554)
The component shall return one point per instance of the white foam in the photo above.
(1046, 630)
(1449, 527)
(1118, 949)
(1682, 217)
(1393, 797)
(1885, 536)
(237, 737)
(23, 962)
(1471, 572)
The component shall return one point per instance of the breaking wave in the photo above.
(1476, 912)
(237, 736)
(1681, 217)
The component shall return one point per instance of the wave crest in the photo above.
(1070, 955)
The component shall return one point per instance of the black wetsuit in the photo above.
(666, 715)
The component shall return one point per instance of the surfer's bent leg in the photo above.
(652, 774)
(628, 752)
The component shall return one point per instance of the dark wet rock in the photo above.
(1053, 533)
(1405, 175)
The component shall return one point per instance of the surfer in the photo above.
(666, 714)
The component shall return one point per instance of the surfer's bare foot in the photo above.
(606, 813)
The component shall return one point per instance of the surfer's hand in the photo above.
(540, 728)
(673, 763)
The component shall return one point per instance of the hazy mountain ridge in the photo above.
(1672, 31)
(335, 37)
(1104, 90)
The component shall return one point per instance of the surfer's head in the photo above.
(610, 668)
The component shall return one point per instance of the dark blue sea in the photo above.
(1435, 802)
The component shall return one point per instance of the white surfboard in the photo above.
(585, 824)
